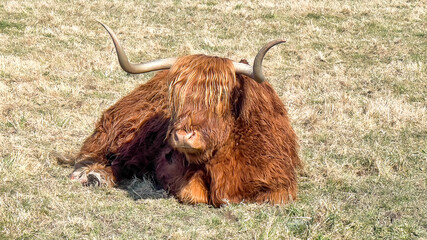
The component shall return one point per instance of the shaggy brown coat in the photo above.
(250, 153)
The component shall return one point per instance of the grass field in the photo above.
(352, 75)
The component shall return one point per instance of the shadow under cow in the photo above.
(144, 188)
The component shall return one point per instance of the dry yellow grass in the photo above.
(353, 75)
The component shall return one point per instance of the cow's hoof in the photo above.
(94, 179)
(88, 176)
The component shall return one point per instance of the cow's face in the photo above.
(200, 102)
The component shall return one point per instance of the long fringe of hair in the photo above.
(201, 83)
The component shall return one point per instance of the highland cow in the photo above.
(208, 130)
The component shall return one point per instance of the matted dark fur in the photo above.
(248, 149)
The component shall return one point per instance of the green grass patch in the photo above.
(6, 25)
(269, 16)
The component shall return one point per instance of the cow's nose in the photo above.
(187, 141)
(182, 136)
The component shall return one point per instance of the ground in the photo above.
(352, 75)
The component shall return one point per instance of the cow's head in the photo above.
(201, 95)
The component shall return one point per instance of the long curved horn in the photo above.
(160, 64)
(255, 72)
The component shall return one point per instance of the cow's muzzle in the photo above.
(187, 141)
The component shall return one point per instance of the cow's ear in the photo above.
(252, 100)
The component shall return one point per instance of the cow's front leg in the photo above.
(93, 174)
(194, 190)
